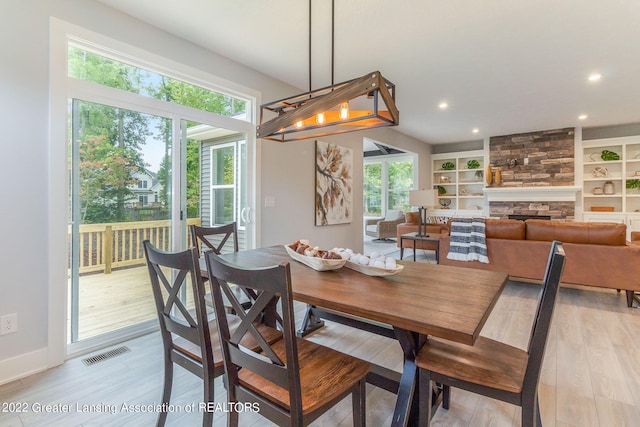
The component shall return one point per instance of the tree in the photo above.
(108, 136)
(106, 172)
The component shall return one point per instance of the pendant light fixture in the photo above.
(362, 103)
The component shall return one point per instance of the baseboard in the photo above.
(23, 365)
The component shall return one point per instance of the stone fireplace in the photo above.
(537, 175)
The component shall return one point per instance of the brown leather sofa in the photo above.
(411, 226)
(597, 253)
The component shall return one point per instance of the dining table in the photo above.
(423, 300)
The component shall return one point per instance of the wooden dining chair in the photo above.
(293, 381)
(214, 238)
(189, 338)
(492, 368)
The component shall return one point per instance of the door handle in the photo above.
(244, 214)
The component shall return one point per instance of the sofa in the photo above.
(411, 226)
(598, 253)
(384, 228)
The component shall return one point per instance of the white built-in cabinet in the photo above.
(624, 201)
(459, 183)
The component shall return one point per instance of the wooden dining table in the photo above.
(422, 300)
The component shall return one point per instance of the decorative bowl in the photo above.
(374, 271)
(316, 263)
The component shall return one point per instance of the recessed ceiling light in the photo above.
(476, 130)
(443, 105)
(595, 77)
(582, 116)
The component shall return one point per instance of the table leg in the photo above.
(310, 323)
(414, 250)
(406, 409)
(438, 251)
(401, 248)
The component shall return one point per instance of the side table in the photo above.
(424, 238)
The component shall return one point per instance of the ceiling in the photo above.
(502, 66)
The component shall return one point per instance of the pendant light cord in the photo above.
(332, 43)
(309, 48)
(332, 34)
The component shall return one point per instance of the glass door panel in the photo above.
(216, 172)
(120, 162)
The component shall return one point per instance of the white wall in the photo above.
(286, 170)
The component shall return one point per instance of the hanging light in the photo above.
(326, 111)
(344, 110)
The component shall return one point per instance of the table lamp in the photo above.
(423, 199)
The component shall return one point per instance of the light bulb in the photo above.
(320, 118)
(344, 110)
(299, 124)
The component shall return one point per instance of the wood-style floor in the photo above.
(591, 374)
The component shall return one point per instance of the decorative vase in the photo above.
(609, 188)
(489, 175)
(498, 177)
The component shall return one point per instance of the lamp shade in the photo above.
(423, 198)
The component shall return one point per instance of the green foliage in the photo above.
(473, 164)
(372, 191)
(105, 174)
(633, 183)
(607, 155)
(114, 137)
(448, 166)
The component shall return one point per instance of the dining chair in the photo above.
(491, 368)
(189, 338)
(293, 381)
(214, 238)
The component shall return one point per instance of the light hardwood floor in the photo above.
(591, 373)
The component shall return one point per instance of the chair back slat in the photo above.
(544, 314)
(268, 285)
(204, 236)
(173, 314)
(274, 373)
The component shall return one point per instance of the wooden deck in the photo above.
(112, 301)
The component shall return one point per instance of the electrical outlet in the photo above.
(8, 324)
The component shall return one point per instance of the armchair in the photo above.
(384, 229)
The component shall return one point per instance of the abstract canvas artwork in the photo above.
(334, 184)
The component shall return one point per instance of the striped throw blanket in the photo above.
(467, 240)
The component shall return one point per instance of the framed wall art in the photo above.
(334, 184)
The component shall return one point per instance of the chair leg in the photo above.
(166, 392)
(425, 391)
(207, 416)
(232, 418)
(446, 396)
(530, 412)
(630, 298)
(358, 402)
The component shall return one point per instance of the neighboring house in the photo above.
(146, 192)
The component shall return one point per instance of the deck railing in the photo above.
(119, 244)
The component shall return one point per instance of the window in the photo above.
(400, 181)
(142, 184)
(386, 185)
(88, 66)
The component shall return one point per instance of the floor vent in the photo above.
(104, 356)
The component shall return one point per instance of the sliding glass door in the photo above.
(121, 191)
(148, 155)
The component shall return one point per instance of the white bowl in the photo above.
(316, 263)
(374, 271)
